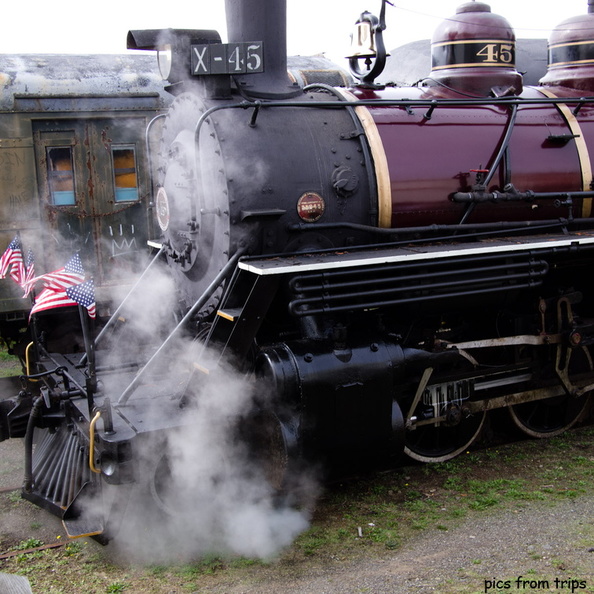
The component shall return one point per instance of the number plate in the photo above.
(228, 58)
(466, 53)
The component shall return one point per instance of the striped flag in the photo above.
(56, 284)
(62, 278)
(29, 272)
(12, 261)
(49, 299)
(84, 294)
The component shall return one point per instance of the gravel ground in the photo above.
(537, 546)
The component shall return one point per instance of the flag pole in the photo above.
(32, 294)
(91, 384)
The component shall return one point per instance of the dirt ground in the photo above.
(537, 551)
(18, 523)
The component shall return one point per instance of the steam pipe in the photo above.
(470, 287)
(223, 274)
(478, 229)
(353, 290)
(33, 416)
(401, 103)
(327, 281)
(504, 145)
(116, 313)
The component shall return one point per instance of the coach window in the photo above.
(124, 170)
(60, 173)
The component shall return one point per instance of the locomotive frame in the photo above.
(374, 316)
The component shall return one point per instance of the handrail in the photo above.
(200, 302)
(116, 313)
(92, 443)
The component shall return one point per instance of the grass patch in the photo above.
(10, 365)
(30, 543)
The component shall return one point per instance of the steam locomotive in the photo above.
(383, 266)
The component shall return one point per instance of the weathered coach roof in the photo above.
(101, 75)
(27, 77)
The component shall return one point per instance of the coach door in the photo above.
(93, 188)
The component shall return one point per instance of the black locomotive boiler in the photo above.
(385, 266)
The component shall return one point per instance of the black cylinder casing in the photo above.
(342, 398)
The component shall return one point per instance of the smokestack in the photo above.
(265, 21)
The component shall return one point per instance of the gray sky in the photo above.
(315, 26)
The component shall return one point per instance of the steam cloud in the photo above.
(199, 490)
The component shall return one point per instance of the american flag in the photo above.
(62, 278)
(56, 283)
(49, 298)
(84, 294)
(29, 272)
(12, 260)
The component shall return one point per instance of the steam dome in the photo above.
(474, 52)
(571, 53)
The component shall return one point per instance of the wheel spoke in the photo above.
(553, 416)
(548, 418)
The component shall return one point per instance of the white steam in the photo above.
(217, 496)
(199, 489)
